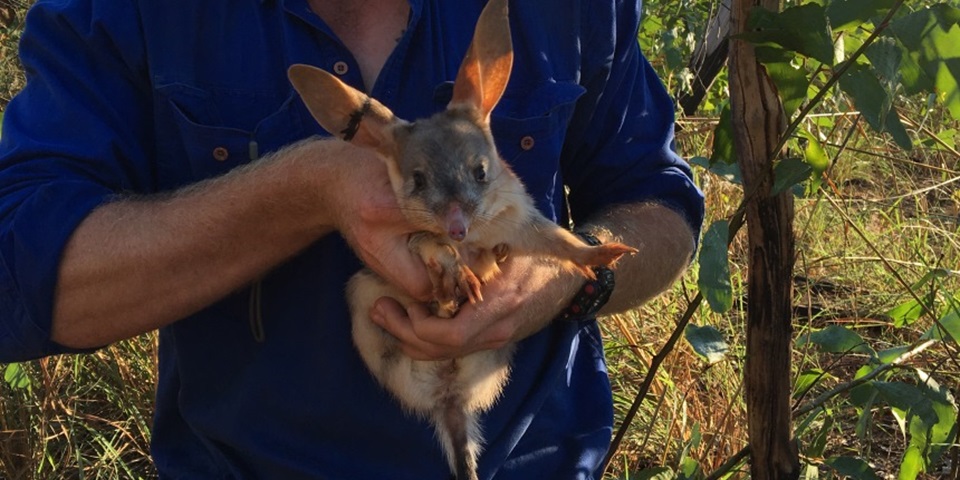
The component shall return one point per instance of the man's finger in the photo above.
(392, 317)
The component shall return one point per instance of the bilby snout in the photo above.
(456, 222)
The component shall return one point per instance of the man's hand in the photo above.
(520, 301)
(368, 217)
(529, 293)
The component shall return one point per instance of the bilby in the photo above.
(472, 211)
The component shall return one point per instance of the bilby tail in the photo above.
(460, 435)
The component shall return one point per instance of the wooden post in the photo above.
(758, 123)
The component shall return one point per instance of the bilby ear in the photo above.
(486, 68)
(341, 109)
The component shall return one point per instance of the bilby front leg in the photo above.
(449, 275)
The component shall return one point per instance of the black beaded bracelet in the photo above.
(594, 294)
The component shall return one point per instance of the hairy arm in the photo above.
(137, 264)
(531, 292)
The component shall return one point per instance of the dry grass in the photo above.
(11, 24)
(81, 416)
(906, 207)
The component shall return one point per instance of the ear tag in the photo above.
(354, 124)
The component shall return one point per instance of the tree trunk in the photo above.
(758, 123)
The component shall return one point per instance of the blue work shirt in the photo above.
(146, 96)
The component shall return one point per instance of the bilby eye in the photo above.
(480, 174)
(419, 181)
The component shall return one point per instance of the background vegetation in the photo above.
(876, 277)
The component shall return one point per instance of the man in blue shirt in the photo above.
(145, 184)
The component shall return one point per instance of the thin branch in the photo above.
(835, 78)
(736, 222)
(730, 463)
(909, 121)
(829, 394)
(648, 378)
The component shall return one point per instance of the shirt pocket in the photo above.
(529, 131)
(206, 133)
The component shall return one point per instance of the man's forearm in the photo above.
(137, 264)
(666, 246)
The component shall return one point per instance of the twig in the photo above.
(922, 190)
(892, 158)
(829, 394)
(736, 222)
(648, 378)
(946, 271)
(835, 78)
(927, 131)
(730, 463)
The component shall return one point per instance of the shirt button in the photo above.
(220, 154)
(340, 68)
(527, 142)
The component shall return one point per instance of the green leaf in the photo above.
(807, 379)
(908, 398)
(789, 172)
(802, 29)
(724, 150)
(714, 277)
(911, 465)
(885, 56)
(688, 465)
(932, 418)
(792, 84)
(874, 102)
(16, 376)
(809, 472)
(863, 394)
(930, 37)
(948, 327)
(837, 339)
(850, 14)
(813, 152)
(866, 414)
(655, 473)
(791, 81)
(707, 341)
(819, 443)
(727, 171)
(891, 354)
(906, 313)
(851, 467)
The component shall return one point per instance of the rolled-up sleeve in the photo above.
(620, 143)
(75, 137)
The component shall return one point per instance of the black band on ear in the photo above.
(354, 124)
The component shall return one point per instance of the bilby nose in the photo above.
(457, 224)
